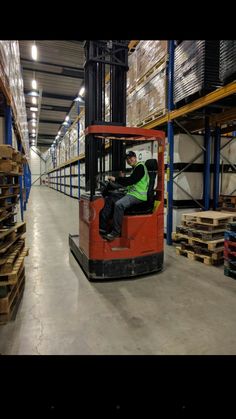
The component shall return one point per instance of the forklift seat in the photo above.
(146, 207)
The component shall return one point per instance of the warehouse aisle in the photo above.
(187, 309)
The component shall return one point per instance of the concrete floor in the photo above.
(189, 308)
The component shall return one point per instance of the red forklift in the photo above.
(139, 250)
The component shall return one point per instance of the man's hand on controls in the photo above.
(111, 178)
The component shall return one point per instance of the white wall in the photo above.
(37, 166)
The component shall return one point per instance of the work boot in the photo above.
(112, 236)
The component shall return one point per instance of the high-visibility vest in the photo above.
(139, 190)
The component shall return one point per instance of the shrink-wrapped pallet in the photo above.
(149, 53)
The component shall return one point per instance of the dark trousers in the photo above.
(115, 206)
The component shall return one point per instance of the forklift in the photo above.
(139, 250)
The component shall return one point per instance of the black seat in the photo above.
(146, 207)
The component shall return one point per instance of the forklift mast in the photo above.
(104, 60)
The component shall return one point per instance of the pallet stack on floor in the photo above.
(201, 236)
(230, 251)
(12, 241)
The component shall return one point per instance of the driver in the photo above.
(136, 192)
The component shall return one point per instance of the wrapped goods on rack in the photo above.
(151, 96)
(131, 109)
(11, 78)
(82, 144)
(132, 73)
(107, 101)
(227, 61)
(149, 53)
(196, 69)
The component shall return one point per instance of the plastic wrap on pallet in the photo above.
(228, 183)
(151, 96)
(148, 53)
(132, 72)
(107, 101)
(131, 109)
(196, 68)
(227, 61)
(11, 77)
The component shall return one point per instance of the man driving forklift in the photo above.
(136, 188)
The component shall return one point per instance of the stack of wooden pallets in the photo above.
(230, 251)
(12, 241)
(201, 236)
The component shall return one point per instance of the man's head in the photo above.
(131, 158)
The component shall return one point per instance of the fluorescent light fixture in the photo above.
(57, 137)
(34, 84)
(81, 92)
(67, 118)
(59, 133)
(33, 109)
(34, 52)
(33, 131)
(34, 100)
(33, 115)
(33, 124)
(65, 123)
(33, 93)
(33, 135)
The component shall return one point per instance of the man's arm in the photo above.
(135, 177)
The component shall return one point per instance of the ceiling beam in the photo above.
(78, 74)
(46, 137)
(66, 67)
(48, 121)
(50, 108)
(48, 95)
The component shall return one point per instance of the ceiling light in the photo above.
(33, 124)
(34, 84)
(33, 131)
(81, 92)
(59, 133)
(33, 109)
(33, 135)
(33, 93)
(65, 123)
(67, 118)
(34, 100)
(33, 115)
(34, 52)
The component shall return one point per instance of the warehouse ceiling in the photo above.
(59, 73)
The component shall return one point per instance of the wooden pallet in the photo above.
(6, 151)
(203, 227)
(11, 278)
(228, 199)
(156, 68)
(8, 261)
(19, 228)
(152, 117)
(216, 254)
(207, 260)
(9, 305)
(215, 218)
(211, 245)
(6, 216)
(201, 234)
(9, 242)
